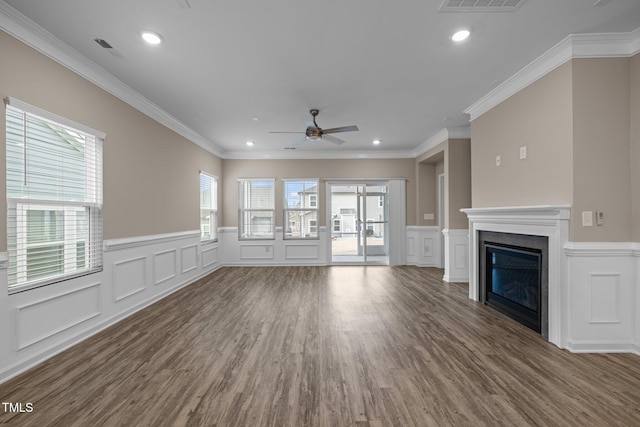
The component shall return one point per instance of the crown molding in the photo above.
(597, 45)
(22, 28)
(462, 132)
(312, 155)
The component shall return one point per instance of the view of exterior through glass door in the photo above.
(359, 223)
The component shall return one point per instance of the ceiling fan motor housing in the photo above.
(313, 133)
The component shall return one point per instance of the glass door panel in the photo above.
(375, 224)
(346, 238)
(359, 224)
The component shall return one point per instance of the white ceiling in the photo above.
(388, 67)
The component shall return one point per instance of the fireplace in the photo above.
(547, 221)
(513, 275)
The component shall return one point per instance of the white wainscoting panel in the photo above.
(411, 248)
(424, 246)
(165, 266)
(297, 251)
(456, 255)
(39, 323)
(605, 298)
(251, 251)
(40, 320)
(129, 277)
(272, 252)
(209, 255)
(189, 257)
(602, 282)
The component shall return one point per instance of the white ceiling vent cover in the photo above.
(480, 5)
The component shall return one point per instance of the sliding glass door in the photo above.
(359, 223)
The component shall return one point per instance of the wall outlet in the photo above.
(587, 218)
(599, 218)
(497, 160)
(523, 152)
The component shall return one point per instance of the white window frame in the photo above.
(242, 210)
(211, 210)
(302, 211)
(70, 244)
(92, 205)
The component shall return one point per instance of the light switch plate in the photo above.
(497, 160)
(523, 152)
(587, 218)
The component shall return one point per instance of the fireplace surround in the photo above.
(550, 221)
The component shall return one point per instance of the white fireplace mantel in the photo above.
(551, 221)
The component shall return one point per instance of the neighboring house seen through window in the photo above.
(54, 197)
(301, 208)
(208, 207)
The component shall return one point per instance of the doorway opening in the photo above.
(359, 223)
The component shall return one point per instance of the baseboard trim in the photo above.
(275, 264)
(603, 347)
(454, 279)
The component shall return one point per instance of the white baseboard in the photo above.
(455, 279)
(603, 347)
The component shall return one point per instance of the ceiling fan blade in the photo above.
(300, 141)
(283, 132)
(341, 129)
(333, 139)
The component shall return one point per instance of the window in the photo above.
(337, 225)
(54, 197)
(301, 208)
(256, 209)
(208, 207)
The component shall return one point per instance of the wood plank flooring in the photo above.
(324, 346)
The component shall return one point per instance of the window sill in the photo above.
(15, 289)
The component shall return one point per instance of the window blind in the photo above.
(256, 208)
(54, 197)
(208, 207)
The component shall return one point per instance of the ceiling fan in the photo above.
(315, 132)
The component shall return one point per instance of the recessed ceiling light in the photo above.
(460, 35)
(151, 37)
(376, 142)
(256, 119)
(250, 143)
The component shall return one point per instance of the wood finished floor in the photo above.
(324, 346)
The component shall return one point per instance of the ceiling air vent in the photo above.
(106, 46)
(480, 5)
